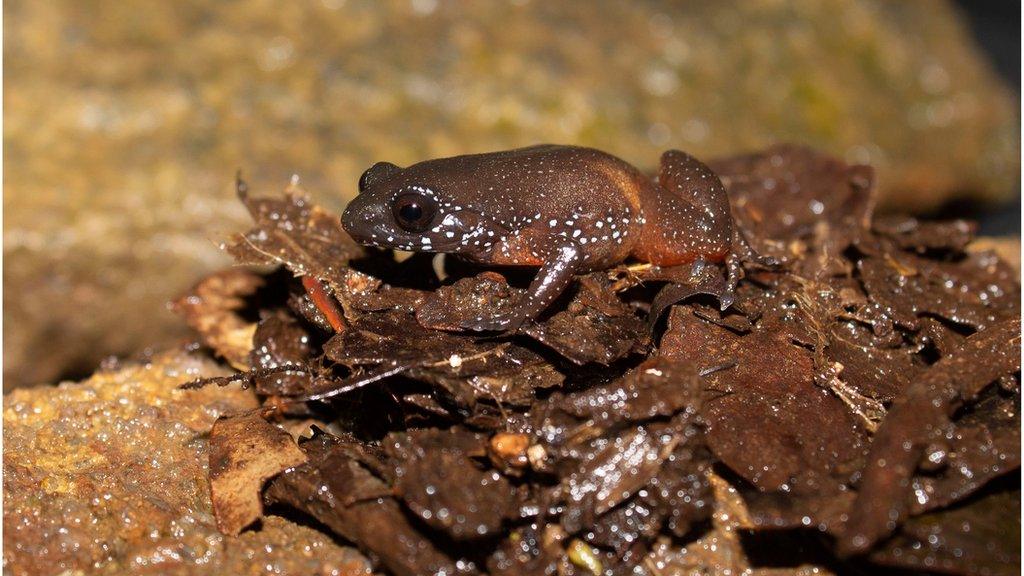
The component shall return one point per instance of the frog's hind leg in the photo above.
(707, 219)
(687, 214)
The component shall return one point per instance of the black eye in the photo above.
(414, 212)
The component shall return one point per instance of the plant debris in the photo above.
(245, 451)
(868, 390)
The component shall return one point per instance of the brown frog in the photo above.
(565, 209)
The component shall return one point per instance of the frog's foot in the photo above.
(705, 279)
(742, 254)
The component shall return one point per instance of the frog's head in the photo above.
(417, 209)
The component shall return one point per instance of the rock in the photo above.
(108, 476)
(1007, 248)
(126, 122)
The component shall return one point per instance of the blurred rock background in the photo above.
(125, 121)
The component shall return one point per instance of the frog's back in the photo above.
(549, 177)
(551, 193)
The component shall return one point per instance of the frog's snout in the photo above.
(360, 218)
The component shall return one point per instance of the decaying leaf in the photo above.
(246, 451)
(981, 537)
(338, 488)
(915, 420)
(594, 327)
(293, 232)
(212, 307)
(770, 423)
(469, 369)
(439, 481)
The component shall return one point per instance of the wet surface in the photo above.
(109, 476)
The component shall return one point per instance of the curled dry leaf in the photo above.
(212, 307)
(246, 451)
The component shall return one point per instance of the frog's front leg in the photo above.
(560, 265)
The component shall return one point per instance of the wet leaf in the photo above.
(582, 442)
(338, 489)
(921, 236)
(923, 409)
(657, 387)
(438, 478)
(280, 341)
(981, 445)
(595, 327)
(797, 204)
(973, 291)
(451, 307)
(981, 537)
(770, 423)
(467, 368)
(293, 232)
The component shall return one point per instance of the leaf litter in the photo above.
(867, 392)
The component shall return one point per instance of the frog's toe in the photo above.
(726, 299)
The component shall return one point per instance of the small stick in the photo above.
(248, 376)
(354, 384)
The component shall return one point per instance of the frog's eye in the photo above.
(413, 211)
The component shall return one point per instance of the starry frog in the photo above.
(564, 209)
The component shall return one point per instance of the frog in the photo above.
(565, 210)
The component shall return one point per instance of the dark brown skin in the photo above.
(565, 209)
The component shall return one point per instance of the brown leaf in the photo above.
(770, 423)
(280, 341)
(657, 387)
(924, 407)
(921, 236)
(450, 307)
(796, 203)
(981, 537)
(439, 482)
(469, 369)
(293, 232)
(976, 291)
(980, 445)
(338, 488)
(246, 451)
(212, 307)
(595, 327)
